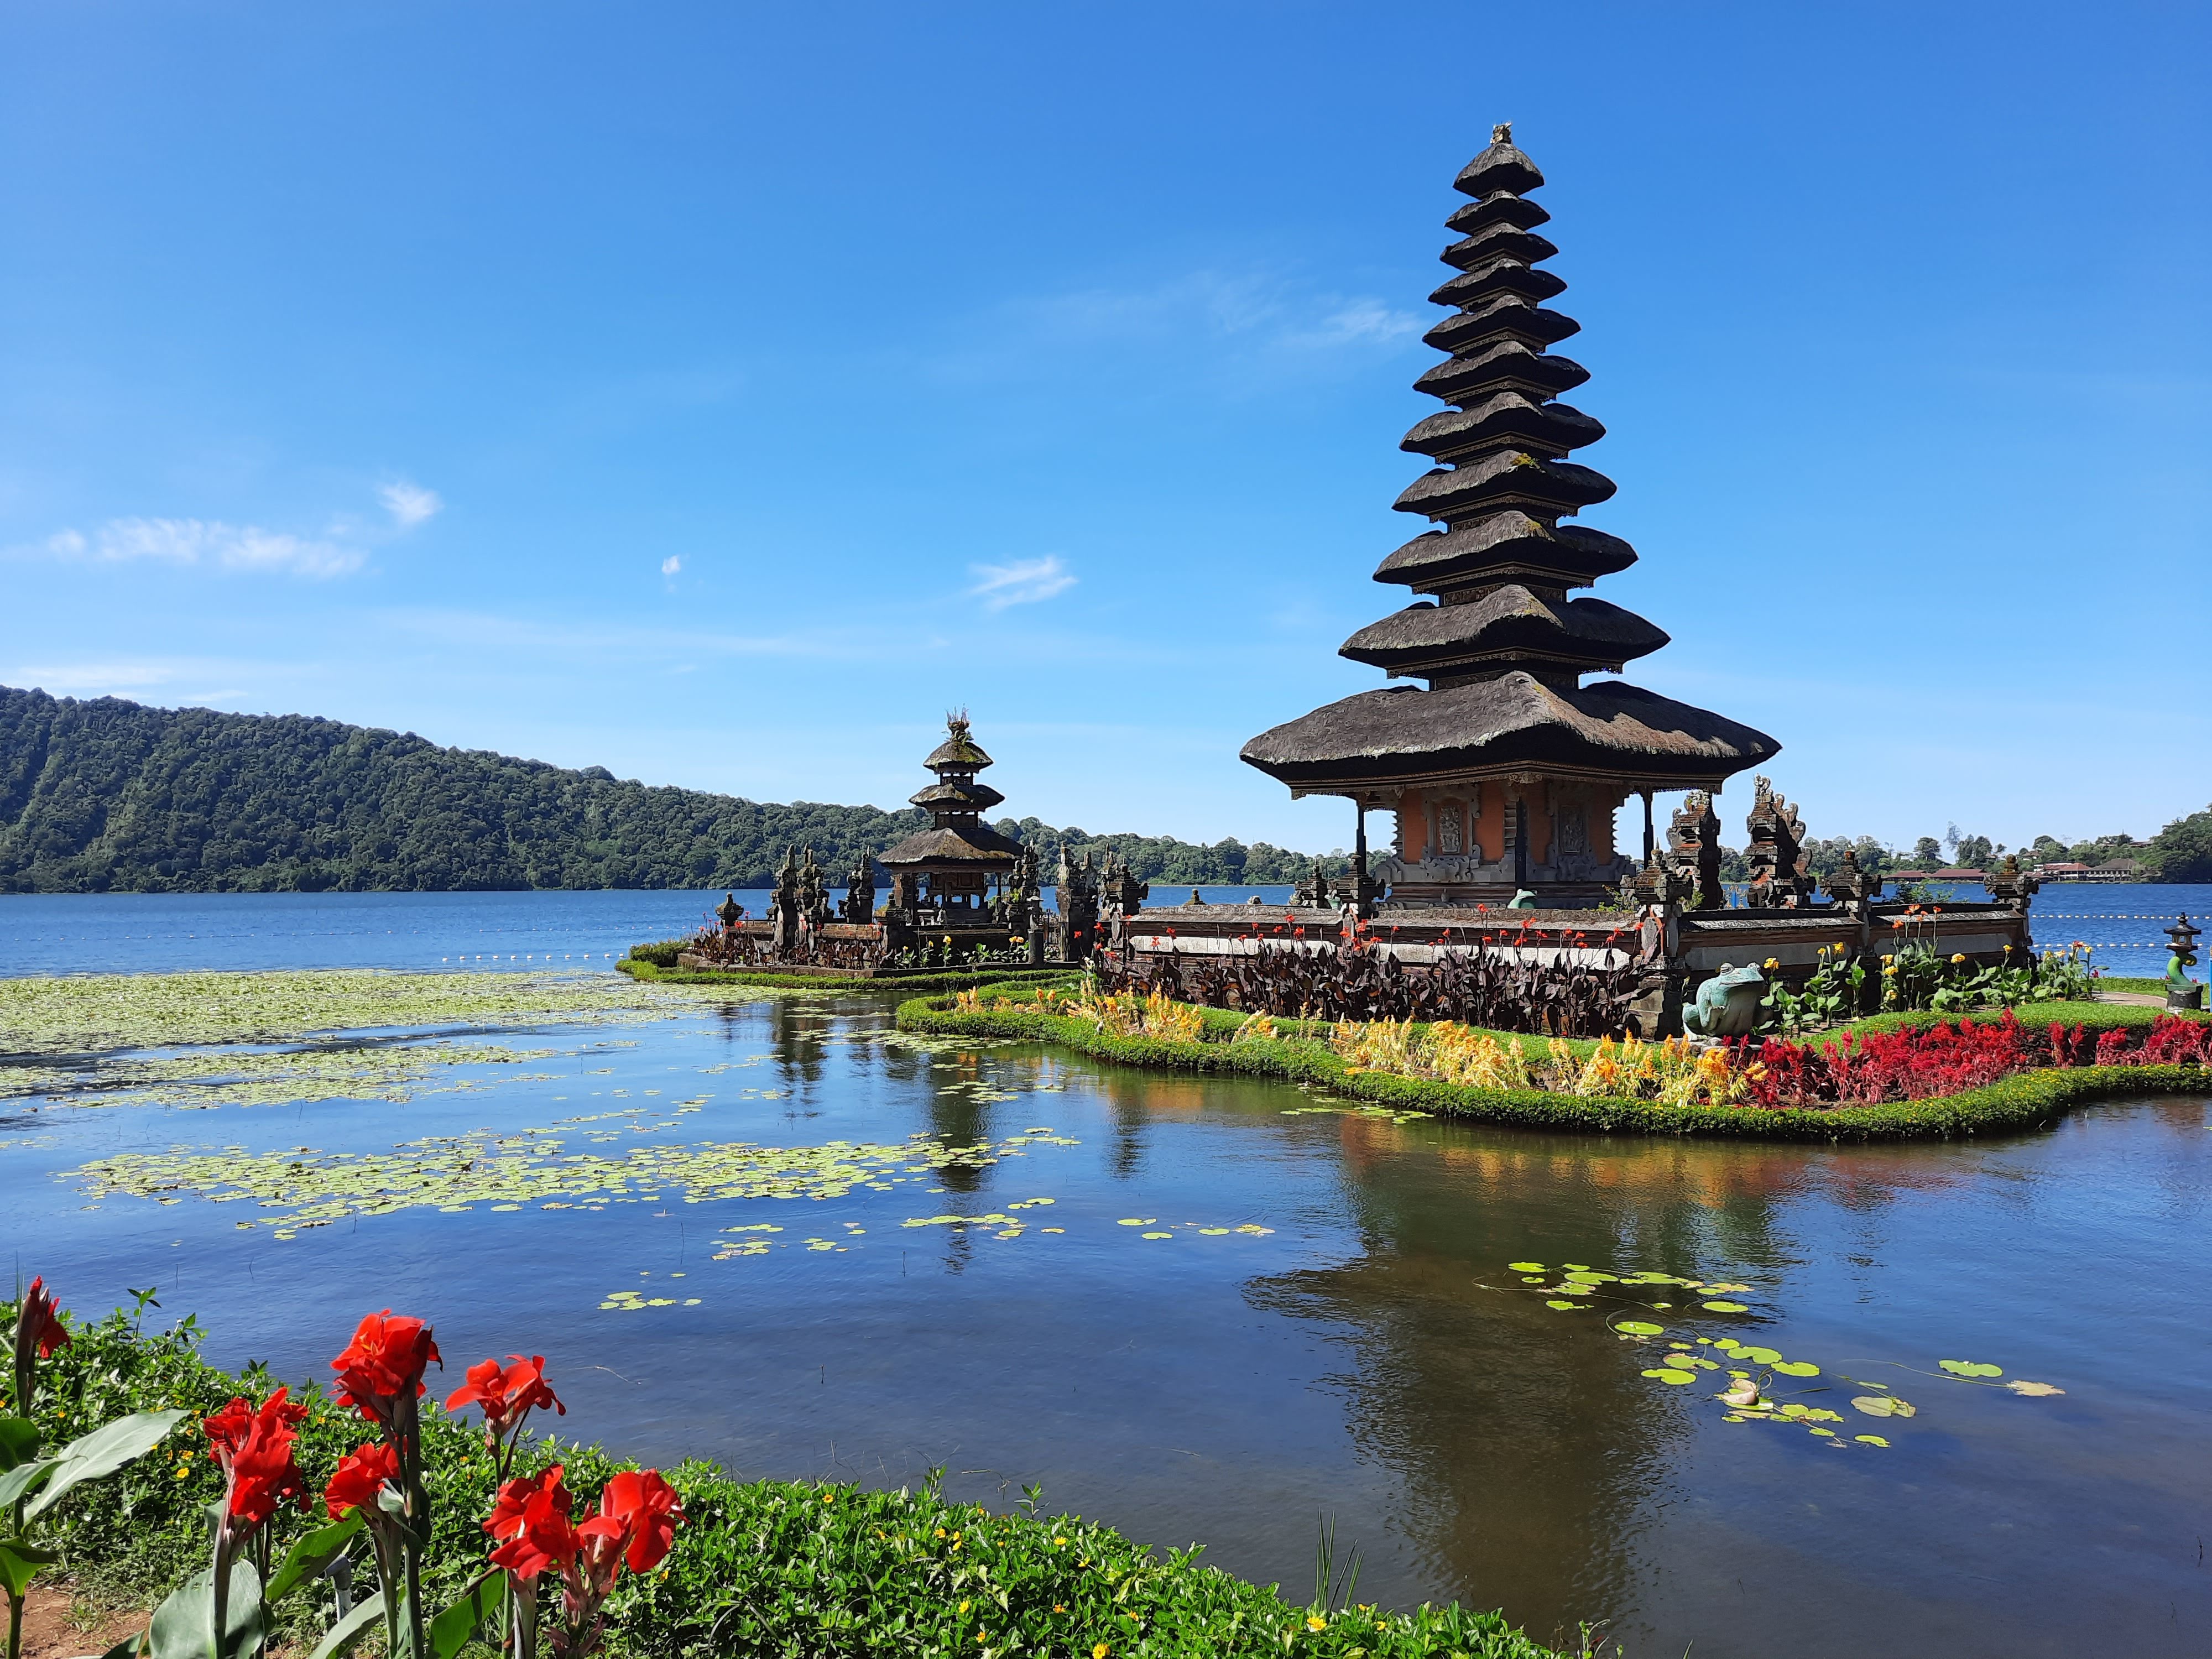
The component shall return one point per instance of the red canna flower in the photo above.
(359, 1478)
(645, 1506)
(533, 1516)
(255, 1451)
(383, 1363)
(36, 1325)
(505, 1394)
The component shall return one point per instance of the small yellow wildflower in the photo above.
(1315, 1621)
(1100, 1651)
(964, 1606)
(1958, 958)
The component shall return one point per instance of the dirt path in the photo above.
(50, 1631)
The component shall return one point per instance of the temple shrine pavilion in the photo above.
(1504, 771)
(947, 875)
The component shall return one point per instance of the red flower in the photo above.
(645, 1506)
(506, 1395)
(359, 1479)
(255, 1451)
(533, 1516)
(37, 1327)
(384, 1362)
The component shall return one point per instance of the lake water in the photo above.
(103, 933)
(1329, 1326)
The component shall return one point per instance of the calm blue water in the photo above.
(1369, 1355)
(127, 933)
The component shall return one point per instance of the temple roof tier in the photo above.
(1498, 241)
(1504, 627)
(1509, 366)
(1499, 168)
(1493, 280)
(959, 752)
(1500, 207)
(1506, 320)
(1503, 728)
(1503, 480)
(955, 797)
(1506, 547)
(964, 843)
(1549, 430)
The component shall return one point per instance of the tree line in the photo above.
(107, 795)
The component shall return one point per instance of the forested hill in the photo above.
(110, 796)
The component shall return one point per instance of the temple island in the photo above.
(962, 894)
(1503, 770)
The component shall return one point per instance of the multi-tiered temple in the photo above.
(948, 875)
(1505, 774)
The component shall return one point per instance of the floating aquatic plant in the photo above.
(456, 1173)
(1751, 1368)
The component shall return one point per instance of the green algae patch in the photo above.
(264, 1078)
(306, 1188)
(44, 1018)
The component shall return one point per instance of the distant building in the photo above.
(2119, 870)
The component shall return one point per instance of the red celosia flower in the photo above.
(384, 1362)
(359, 1478)
(646, 1507)
(36, 1326)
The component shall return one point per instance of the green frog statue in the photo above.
(1728, 1003)
(2181, 991)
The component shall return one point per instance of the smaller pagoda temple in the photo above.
(954, 876)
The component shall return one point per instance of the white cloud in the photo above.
(198, 542)
(1355, 321)
(409, 504)
(671, 565)
(1025, 582)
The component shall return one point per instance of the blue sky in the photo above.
(717, 393)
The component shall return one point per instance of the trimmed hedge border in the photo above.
(2029, 1101)
(645, 972)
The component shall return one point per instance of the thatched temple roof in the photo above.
(1504, 649)
(1513, 724)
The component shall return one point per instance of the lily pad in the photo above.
(1796, 1368)
(1882, 1405)
(1969, 1368)
(1725, 1307)
(1672, 1377)
(2036, 1391)
(1566, 1306)
(1525, 1267)
(1640, 1328)
(1156, 1234)
(1870, 1440)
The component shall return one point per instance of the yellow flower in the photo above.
(1100, 1651)
(1315, 1621)
(183, 1469)
(964, 1606)
(1959, 958)
(1772, 961)
(1892, 969)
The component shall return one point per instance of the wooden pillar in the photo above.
(1648, 842)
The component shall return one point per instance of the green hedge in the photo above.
(948, 980)
(761, 1567)
(2028, 1101)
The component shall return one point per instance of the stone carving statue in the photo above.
(783, 908)
(729, 912)
(814, 906)
(1120, 891)
(1775, 852)
(859, 907)
(2010, 884)
(1849, 884)
(1313, 892)
(1693, 850)
(1079, 905)
(1728, 1003)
